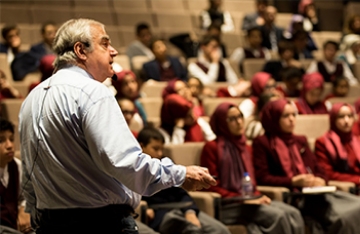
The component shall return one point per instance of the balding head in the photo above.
(270, 14)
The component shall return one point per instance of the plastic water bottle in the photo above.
(247, 188)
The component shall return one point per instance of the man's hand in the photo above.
(150, 214)
(197, 178)
(264, 200)
(23, 221)
(191, 217)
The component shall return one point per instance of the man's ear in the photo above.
(80, 50)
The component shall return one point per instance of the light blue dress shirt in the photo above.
(85, 155)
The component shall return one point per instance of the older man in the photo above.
(82, 166)
(270, 32)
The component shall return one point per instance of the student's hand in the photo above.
(23, 221)
(260, 21)
(264, 200)
(197, 178)
(319, 182)
(150, 214)
(303, 180)
(191, 217)
(243, 88)
(179, 123)
(207, 92)
(295, 63)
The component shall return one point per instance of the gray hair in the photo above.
(72, 31)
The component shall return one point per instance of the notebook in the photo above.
(319, 189)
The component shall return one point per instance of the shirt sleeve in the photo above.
(247, 107)
(205, 19)
(237, 55)
(231, 76)
(27, 190)
(206, 78)
(206, 129)
(116, 152)
(312, 67)
(228, 25)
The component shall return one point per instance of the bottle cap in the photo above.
(246, 174)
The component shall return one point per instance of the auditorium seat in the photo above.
(152, 88)
(239, 6)
(252, 66)
(283, 20)
(306, 63)
(350, 100)
(137, 62)
(130, 18)
(123, 61)
(152, 107)
(167, 5)
(232, 40)
(130, 4)
(196, 6)
(10, 109)
(356, 69)
(104, 16)
(312, 126)
(114, 33)
(5, 67)
(185, 154)
(173, 21)
(87, 4)
(15, 14)
(58, 14)
(238, 18)
(210, 104)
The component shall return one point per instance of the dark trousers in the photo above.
(111, 219)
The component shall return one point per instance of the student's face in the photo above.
(356, 48)
(209, 48)
(356, 24)
(301, 42)
(342, 89)
(7, 149)
(261, 7)
(293, 84)
(154, 148)
(288, 119)
(313, 96)
(128, 109)
(129, 87)
(235, 121)
(49, 34)
(270, 86)
(255, 38)
(217, 3)
(287, 55)
(345, 119)
(195, 87)
(159, 49)
(99, 61)
(13, 38)
(330, 52)
(270, 15)
(182, 89)
(215, 33)
(145, 37)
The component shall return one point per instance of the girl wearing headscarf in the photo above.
(356, 126)
(228, 157)
(338, 150)
(285, 159)
(308, 11)
(127, 86)
(351, 49)
(310, 99)
(179, 124)
(261, 82)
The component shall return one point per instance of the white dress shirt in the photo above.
(238, 55)
(331, 67)
(86, 156)
(213, 73)
(227, 26)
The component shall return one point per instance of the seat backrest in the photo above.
(5, 67)
(174, 20)
(130, 18)
(312, 126)
(252, 66)
(283, 20)
(306, 63)
(166, 5)
(123, 60)
(152, 88)
(356, 68)
(152, 106)
(210, 104)
(138, 62)
(350, 100)
(185, 154)
(10, 109)
(354, 90)
(131, 4)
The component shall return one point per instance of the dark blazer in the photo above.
(152, 70)
(3, 48)
(38, 50)
(266, 38)
(268, 168)
(173, 194)
(274, 67)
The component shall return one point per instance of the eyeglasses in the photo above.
(234, 118)
(127, 112)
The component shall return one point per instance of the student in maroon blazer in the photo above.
(228, 157)
(282, 158)
(338, 150)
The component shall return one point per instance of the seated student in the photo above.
(12, 42)
(177, 87)
(310, 100)
(196, 88)
(214, 15)
(13, 217)
(163, 67)
(356, 126)
(261, 82)
(228, 157)
(179, 124)
(338, 150)
(300, 40)
(254, 127)
(6, 89)
(255, 19)
(351, 49)
(48, 31)
(142, 43)
(185, 220)
(271, 34)
(340, 88)
(285, 159)
(210, 67)
(308, 10)
(286, 53)
(330, 68)
(255, 50)
(127, 87)
(291, 76)
(128, 109)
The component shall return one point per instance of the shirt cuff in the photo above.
(232, 91)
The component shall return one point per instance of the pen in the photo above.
(309, 170)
